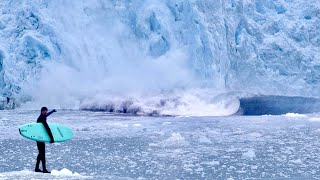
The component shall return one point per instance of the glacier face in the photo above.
(278, 44)
(173, 56)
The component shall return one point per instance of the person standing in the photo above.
(41, 145)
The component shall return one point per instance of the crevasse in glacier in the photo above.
(168, 57)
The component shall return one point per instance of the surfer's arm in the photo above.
(51, 112)
(46, 126)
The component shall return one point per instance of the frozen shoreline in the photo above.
(124, 147)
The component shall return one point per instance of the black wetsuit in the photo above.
(41, 146)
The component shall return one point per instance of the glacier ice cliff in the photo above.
(173, 57)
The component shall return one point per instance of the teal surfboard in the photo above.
(37, 132)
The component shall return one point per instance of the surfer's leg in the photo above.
(42, 154)
(44, 159)
(38, 158)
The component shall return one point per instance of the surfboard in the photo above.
(37, 132)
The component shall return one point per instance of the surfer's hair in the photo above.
(44, 109)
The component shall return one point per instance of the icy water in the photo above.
(122, 147)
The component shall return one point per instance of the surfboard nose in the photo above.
(19, 131)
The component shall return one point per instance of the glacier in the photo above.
(151, 57)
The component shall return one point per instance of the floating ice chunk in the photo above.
(64, 172)
(315, 119)
(232, 149)
(120, 125)
(204, 140)
(250, 154)
(294, 115)
(4, 119)
(238, 132)
(212, 163)
(137, 125)
(255, 135)
(176, 139)
(296, 161)
(166, 123)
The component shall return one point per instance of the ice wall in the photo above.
(26, 43)
(276, 47)
(101, 54)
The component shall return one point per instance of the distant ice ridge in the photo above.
(96, 54)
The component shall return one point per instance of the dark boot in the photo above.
(37, 170)
(44, 165)
(46, 171)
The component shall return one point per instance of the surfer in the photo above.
(41, 146)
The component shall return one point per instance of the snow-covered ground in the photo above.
(109, 146)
